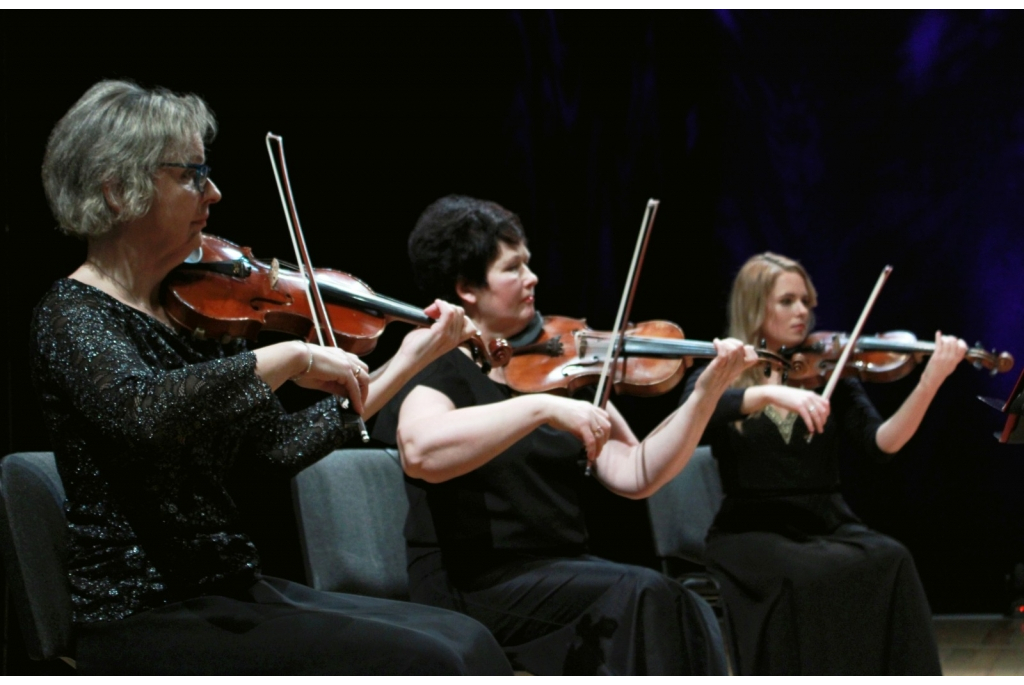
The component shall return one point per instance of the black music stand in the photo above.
(1013, 431)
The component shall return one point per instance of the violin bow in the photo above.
(604, 386)
(852, 341)
(318, 310)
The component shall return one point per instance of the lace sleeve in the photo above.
(114, 369)
(296, 440)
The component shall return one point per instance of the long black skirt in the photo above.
(582, 616)
(847, 603)
(277, 627)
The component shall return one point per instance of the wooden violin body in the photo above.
(230, 294)
(569, 355)
(878, 359)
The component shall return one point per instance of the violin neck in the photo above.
(378, 305)
(871, 344)
(665, 348)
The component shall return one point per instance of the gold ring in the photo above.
(357, 371)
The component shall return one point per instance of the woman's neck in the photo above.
(123, 273)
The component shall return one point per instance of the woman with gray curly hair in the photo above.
(146, 421)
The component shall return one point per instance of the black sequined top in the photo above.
(145, 422)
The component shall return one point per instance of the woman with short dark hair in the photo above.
(495, 527)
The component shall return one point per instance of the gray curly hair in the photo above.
(116, 136)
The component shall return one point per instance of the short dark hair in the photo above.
(457, 238)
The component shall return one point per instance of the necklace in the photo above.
(103, 272)
(129, 297)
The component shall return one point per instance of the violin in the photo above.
(878, 359)
(568, 355)
(230, 294)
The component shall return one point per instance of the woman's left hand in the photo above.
(733, 359)
(949, 352)
(451, 328)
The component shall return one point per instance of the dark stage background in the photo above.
(846, 140)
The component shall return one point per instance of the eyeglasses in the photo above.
(201, 174)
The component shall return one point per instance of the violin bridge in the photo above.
(275, 273)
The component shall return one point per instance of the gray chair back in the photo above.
(683, 510)
(351, 507)
(32, 539)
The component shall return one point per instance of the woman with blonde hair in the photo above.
(808, 588)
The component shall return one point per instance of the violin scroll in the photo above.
(992, 362)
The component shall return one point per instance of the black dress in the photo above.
(506, 544)
(145, 423)
(808, 588)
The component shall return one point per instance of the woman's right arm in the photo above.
(812, 407)
(328, 369)
(438, 441)
(89, 359)
(738, 403)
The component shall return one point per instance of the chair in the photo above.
(351, 507)
(32, 540)
(681, 513)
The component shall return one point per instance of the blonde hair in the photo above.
(748, 301)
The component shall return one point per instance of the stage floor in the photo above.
(973, 644)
